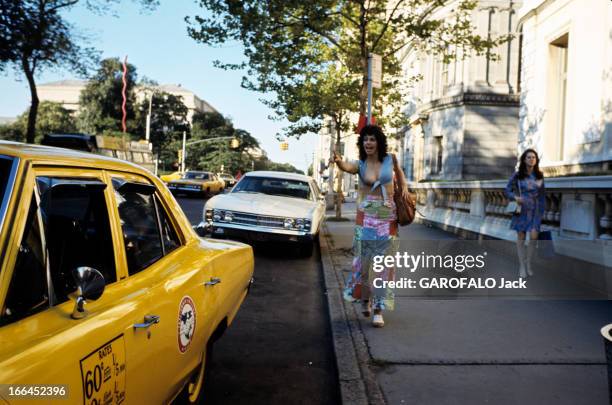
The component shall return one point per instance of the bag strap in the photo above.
(399, 174)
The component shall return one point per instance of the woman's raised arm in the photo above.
(348, 167)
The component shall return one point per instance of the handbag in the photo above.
(513, 207)
(405, 200)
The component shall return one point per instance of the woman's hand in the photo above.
(336, 158)
(519, 200)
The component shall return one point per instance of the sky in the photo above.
(156, 42)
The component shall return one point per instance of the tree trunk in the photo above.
(338, 196)
(31, 131)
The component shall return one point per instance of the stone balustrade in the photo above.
(578, 209)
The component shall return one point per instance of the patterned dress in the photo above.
(534, 202)
(375, 235)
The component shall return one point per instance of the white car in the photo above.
(268, 206)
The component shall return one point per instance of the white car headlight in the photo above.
(289, 223)
(228, 217)
(217, 215)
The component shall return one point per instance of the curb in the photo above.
(358, 384)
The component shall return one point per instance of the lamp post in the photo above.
(148, 129)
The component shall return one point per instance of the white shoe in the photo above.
(377, 321)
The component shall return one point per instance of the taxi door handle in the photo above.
(212, 282)
(148, 321)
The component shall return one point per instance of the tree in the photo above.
(289, 45)
(52, 118)
(34, 36)
(168, 121)
(11, 132)
(217, 153)
(101, 100)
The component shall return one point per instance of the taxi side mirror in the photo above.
(90, 286)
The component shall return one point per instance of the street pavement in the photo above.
(477, 350)
(278, 349)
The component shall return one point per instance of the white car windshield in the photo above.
(274, 186)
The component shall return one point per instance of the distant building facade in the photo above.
(464, 114)
(68, 92)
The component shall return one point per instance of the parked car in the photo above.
(229, 180)
(105, 287)
(167, 178)
(197, 183)
(268, 206)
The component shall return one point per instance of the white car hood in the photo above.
(262, 204)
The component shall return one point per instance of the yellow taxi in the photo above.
(166, 178)
(107, 294)
(197, 183)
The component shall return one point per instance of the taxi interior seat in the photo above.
(78, 234)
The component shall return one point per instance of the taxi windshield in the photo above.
(7, 174)
(274, 186)
(196, 176)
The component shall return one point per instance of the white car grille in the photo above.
(257, 220)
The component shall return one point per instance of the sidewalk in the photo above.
(467, 351)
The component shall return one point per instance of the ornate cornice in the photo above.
(506, 100)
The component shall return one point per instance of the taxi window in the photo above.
(77, 230)
(28, 291)
(169, 236)
(141, 236)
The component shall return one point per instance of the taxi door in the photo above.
(180, 303)
(61, 223)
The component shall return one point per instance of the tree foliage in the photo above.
(217, 153)
(101, 99)
(34, 36)
(168, 121)
(293, 47)
(52, 118)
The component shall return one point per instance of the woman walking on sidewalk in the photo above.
(375, 225)
(526, 187)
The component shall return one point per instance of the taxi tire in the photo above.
(198, 377)
(306, 248)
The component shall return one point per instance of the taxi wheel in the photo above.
(193, 393)
(305, 249)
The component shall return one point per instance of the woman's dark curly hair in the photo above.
(381, 141)
(522, 171)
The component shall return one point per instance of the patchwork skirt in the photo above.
(375, 236)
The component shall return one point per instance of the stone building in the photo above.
(464, 114)
(67, 93)
(566, 84)
(565, 114)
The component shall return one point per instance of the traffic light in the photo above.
(234, 143)
(284, 145)
(180, 155)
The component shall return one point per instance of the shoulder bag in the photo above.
(513, 207)
(405, 201)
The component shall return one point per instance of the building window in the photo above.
(557, 97)
(437, 155)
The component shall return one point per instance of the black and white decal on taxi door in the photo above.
(186, 323)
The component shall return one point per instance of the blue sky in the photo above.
(157, 44)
